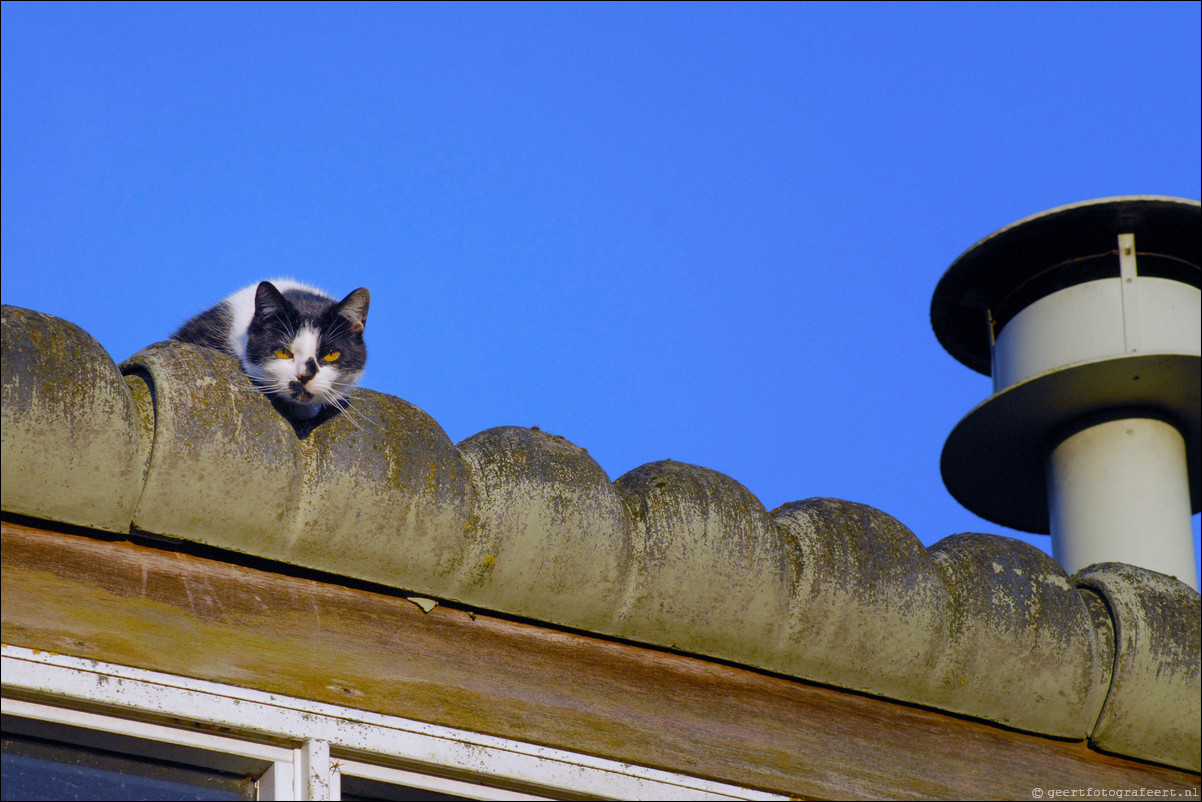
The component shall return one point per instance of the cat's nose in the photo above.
(309, 370)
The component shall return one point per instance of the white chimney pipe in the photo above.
(1088, 318)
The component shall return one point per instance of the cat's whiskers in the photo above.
(355, 416)
(338, 395)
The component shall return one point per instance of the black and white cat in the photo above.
(295, 342)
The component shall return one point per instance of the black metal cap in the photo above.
(994, 461)
(1024, 261)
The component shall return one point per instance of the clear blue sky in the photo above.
(704, 232)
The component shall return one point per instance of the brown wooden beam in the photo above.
(133, 604)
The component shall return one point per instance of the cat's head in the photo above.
(306, 349)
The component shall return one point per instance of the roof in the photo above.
(175, 442)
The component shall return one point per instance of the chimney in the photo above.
(1089, 319)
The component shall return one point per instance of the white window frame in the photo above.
(306, 747)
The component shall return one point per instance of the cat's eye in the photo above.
(331, 357)
(283, 353)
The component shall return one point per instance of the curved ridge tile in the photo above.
(1103, 629)
(220, 456)
(550, 539)
(1151, 711)
(379, 494)
(388, 496)
(70, 429)
(1022, 649)
(712, 574)
(868, 612)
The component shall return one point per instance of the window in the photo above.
(70, 763)
(103, 731)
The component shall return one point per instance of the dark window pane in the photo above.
(358, 789)
(36, 769)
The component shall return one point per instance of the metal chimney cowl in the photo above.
(1088, 318)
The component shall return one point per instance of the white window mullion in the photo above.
(313, 770)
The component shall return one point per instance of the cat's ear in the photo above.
(354, 308)
(269, 302)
